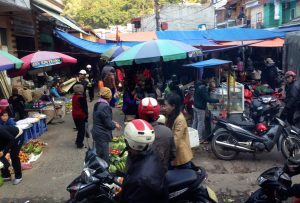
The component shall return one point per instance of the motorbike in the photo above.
(275, 183)
(263, 110)
(228, 139)
(96, 184)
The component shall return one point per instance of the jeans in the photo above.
(199, 122)
(80, 126)
(15, 160)
(102, 149)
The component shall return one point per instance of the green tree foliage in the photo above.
(102, 13)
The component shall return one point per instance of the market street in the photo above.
(61, 162)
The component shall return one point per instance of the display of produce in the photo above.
(30, 151)
(24, 157)
(117, 162)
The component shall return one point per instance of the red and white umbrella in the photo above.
(41, 59)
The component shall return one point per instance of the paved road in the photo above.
(61, 162)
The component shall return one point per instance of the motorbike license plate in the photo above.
(212, 195)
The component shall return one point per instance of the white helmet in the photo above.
(139, 134)
(82, 72)
(88, 66)
(161, 119)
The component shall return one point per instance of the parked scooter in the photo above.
(96, 184)
(276, 184)
(229, 139)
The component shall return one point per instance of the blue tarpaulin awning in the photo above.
(286, 29)
(85, 45)
(189, 37)
(208, 63)
(240, 34)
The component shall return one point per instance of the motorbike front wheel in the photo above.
(223, 152)
(288, 143)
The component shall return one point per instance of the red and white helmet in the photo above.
(139, 134)
(149, 109)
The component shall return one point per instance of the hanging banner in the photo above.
(45, 63)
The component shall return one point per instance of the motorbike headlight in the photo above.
(87, 175)
(261, 180)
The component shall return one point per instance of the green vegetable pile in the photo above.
(117, 163)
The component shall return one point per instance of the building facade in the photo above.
(180, 17)
(232, 14)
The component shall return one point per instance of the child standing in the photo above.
(79, 113)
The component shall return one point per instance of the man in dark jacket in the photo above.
(164, 144)
(270, 74)
(103, 125)
(145, 180)
(292, 99)
(11, 140)
(201, 97)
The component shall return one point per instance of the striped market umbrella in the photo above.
(114, 52)
(155, 51)
(8, 61)
(41, 59)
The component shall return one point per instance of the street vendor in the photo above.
(103, 125)
(5, 119)
(4, 105)
(11, 141)
(54, 90)
(18, 104)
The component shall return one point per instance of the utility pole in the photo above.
(156, 7)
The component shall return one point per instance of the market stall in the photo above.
(231, 93)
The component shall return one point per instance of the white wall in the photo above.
(298, 9)
(181, 17)
(254, 12)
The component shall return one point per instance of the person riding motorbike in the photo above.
(164, 144)
(292, 100)
(144, 180)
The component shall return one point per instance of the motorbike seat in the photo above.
(238, 119)
(181, 178)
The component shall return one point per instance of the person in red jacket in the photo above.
(79, 113)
